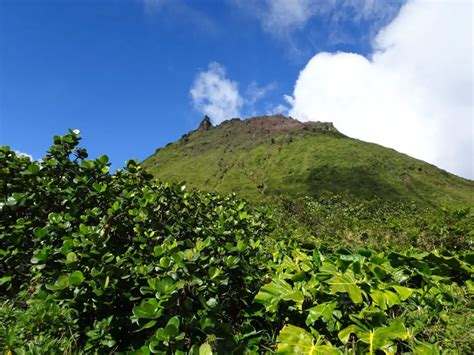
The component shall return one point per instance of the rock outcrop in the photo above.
(205, 124)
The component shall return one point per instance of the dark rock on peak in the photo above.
(281, 123)
(269, 124)
(230, 121)
(205, 124)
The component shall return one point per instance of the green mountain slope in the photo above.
(278, 156)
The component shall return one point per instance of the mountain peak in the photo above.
(205, 124)
(279, 156)
(271, 124)
(280, 123)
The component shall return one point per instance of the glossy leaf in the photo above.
(296, 340)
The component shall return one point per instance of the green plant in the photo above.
(97, 262)
(272, 157)
(361, 301)
(333, 221)
(37, 327)
(137, 263)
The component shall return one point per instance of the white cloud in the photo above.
(218, 97)
(283, 17)
(215, 95)
(416, 92)
(279, 109)
(279, 17)
(365, 9)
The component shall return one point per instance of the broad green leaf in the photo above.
(296, 340)
(296, 296)
(205, 349)
(346, 283)
(148, 309)
(271, 294)
(165, 286)
(148, 325)
(103, 159)
(380, 338)
(174, 321)
(213, 272)
(211, 302)
(345, 333)
(5, 279)
(71, 258)
(323, 310)
(33, 169)
(165, 262)
(158, 250)
(167, 333)
(40, 255)
(422, 266)
(40, 232)
(206, 323)
(241, 245)
(61, 283)
(76, 278)
(154, 346)
(378, 271)
(385, 299)
(424, 348)
(403, 292)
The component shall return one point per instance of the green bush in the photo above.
(361, 300)
(135, 262)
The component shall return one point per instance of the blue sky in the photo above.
(123, 71)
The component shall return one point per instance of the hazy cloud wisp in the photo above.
(283, 17)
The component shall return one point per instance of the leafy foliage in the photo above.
(131, 260)
(38, 327)
(361, 301)
(375, 223)
(99, 262)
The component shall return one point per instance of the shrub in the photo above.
(135, 261)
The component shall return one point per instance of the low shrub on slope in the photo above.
(341, 220)
(97, 262)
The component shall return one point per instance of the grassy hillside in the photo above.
(279, 156)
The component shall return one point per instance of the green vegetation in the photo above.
(123, 262)
(375, 223)
(365, 301)
(99, 263)
(274, 156)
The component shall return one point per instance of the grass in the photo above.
(257, 164)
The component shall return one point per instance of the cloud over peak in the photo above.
(218, 97)
(215, 95)
(414, 94)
